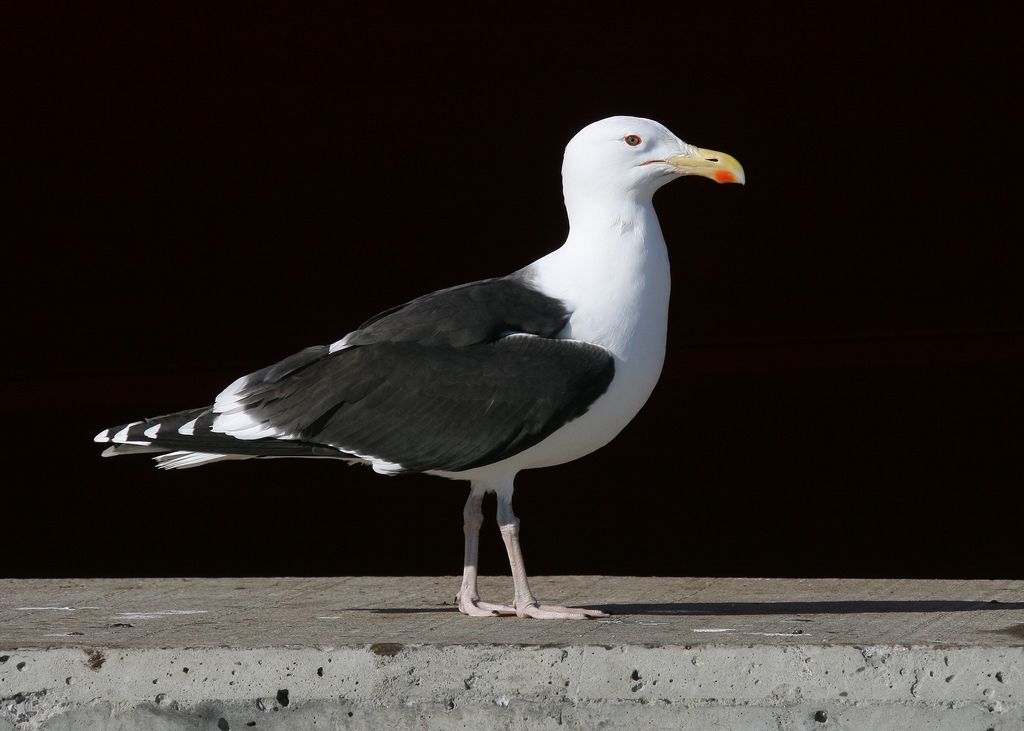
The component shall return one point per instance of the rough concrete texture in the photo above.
(392, 653)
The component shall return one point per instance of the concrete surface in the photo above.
(376, 652)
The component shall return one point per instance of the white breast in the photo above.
(616, 282)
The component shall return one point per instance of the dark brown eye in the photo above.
(632, 140)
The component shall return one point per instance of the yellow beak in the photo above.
(718, 166)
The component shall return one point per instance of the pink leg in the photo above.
(468, 599)
(525, 603)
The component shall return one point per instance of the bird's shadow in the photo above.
(860, 606)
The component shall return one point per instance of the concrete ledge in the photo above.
(375, 652)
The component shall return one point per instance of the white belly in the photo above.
(626, 395)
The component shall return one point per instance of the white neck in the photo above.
(593, 207)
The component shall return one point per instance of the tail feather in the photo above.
(116, 450)
(184, 460)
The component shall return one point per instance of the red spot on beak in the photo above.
(724, 176)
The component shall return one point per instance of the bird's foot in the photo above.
(473, 607)
(535, 610)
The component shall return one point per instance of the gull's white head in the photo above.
(633, 157)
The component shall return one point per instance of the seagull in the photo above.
(480, 381)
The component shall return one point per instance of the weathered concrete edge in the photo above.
(390, 675)
(519, 714)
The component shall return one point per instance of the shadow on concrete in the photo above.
(866, 606)
(402, 610)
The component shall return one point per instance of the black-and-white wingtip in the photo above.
(122, 435)
(188, 439)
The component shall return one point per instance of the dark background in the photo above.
(198, 194)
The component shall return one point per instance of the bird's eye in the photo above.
(632, 140)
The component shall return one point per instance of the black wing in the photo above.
(457, 379)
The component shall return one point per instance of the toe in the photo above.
(545, 611)
(477, 608)
(503, 610)
(471, 609)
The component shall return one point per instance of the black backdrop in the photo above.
(196, 195)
